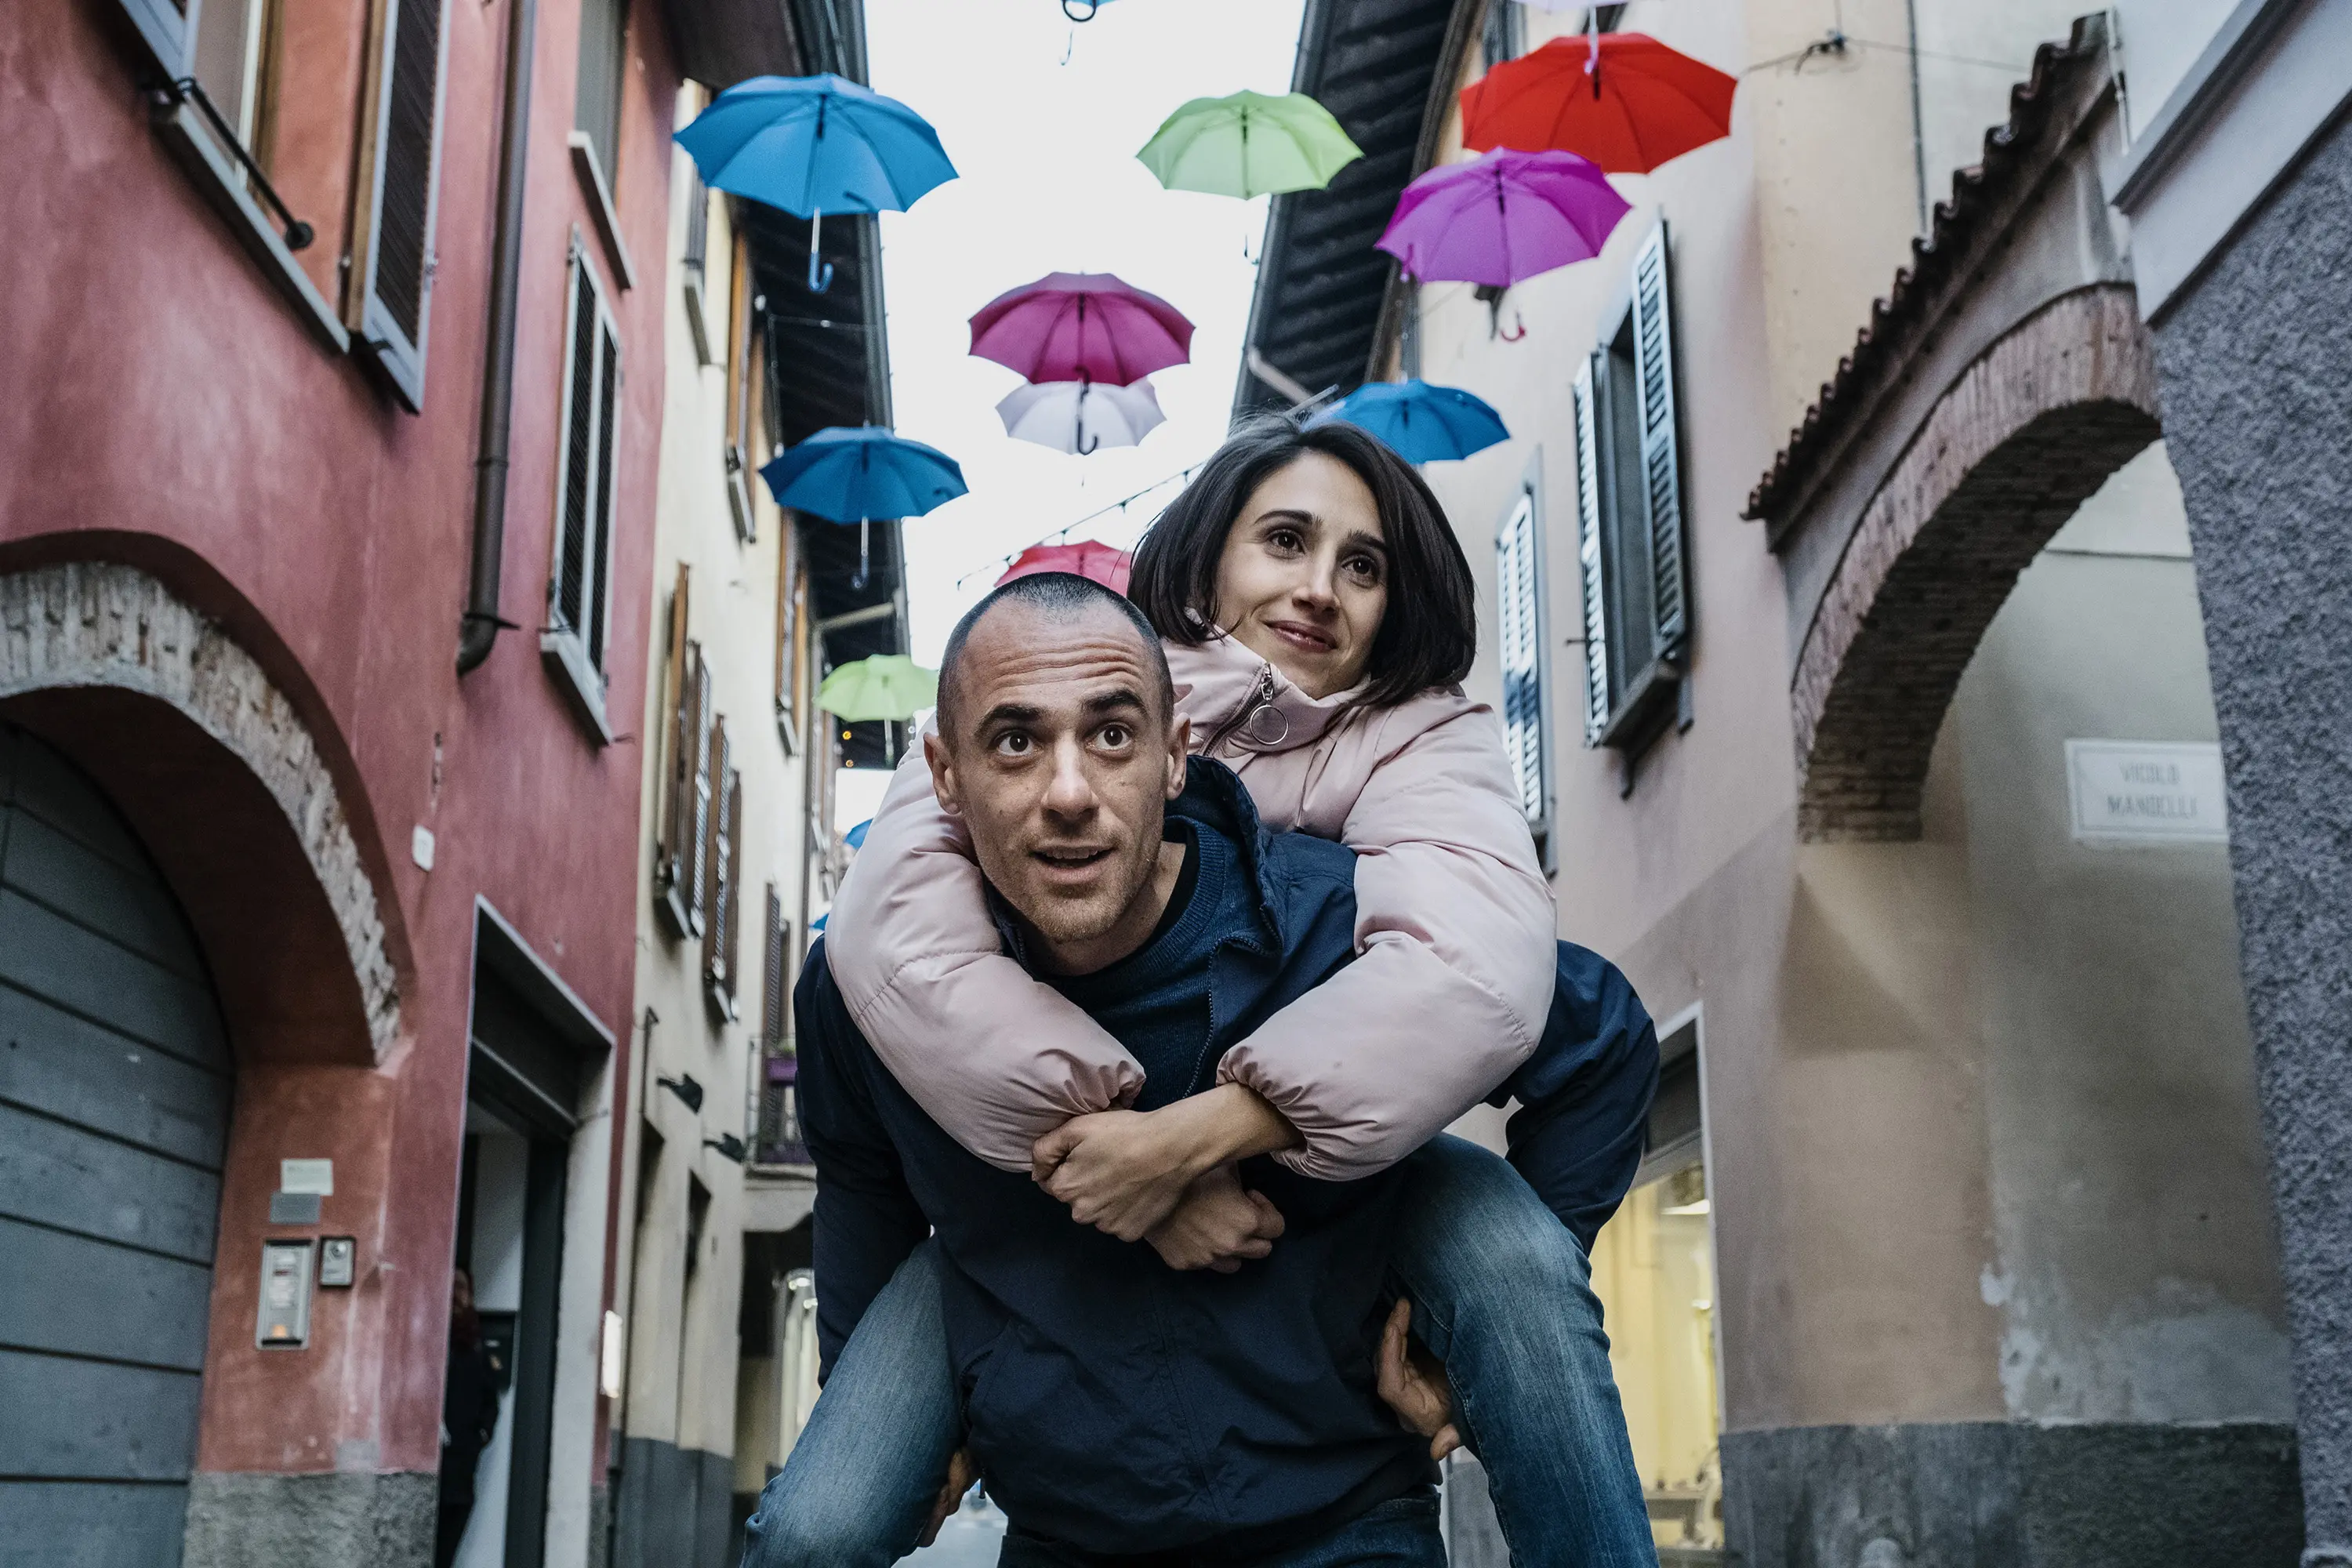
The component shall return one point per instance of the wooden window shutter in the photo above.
(775, 1004)
(790, 594)
(677, 742)
(1521, 625)
(744, 305)
(731, 948)
(391, 276)
(600, 544)
(168, 29)
(1661, 477)
(579, 597)
(1599, 700)
(697, 825)
(719, 922)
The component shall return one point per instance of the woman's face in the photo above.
(1304, 579)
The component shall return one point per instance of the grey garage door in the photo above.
(114, 1098)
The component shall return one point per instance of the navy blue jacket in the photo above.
(1113, 1403)
(1070, 1345)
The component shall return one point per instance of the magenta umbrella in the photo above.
(1082, 326)
(1502, 217)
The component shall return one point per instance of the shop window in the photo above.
(1630, 516)
(1654, 1269)
(579, 593)
(1518, 561)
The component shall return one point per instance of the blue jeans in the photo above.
(1501, 1292)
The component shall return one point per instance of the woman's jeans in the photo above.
(1500, 1290)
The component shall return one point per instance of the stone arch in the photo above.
(2022, 438)
(216, 767)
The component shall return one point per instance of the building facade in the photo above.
(330, 404)
(736, 850)
(1860, 690)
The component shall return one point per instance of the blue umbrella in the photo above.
(1420, 423)
(811, 144)
(855, 473)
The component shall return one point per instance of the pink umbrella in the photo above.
(1502, 217)
(1082, 326)
(1087, 558)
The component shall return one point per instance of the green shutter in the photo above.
(1660, 475)
(1599, 700)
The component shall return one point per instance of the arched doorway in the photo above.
(115, 1084)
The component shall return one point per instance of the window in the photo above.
(686, 783)
(743, 377)
(1630, 516)
(724, 878)
(391, 247)
(694, 263)
(1506, 32)
(776, 1001)
(1518, 560)
(596, 112)
(579, 589)
(792, 636)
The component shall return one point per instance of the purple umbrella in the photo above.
(1502, 217)
(1082, 326)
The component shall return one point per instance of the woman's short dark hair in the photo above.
(1429, 634)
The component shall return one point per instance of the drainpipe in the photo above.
(480, 628)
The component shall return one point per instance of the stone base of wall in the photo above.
(674, 1506)
(336, 1520)
(2004, 1495)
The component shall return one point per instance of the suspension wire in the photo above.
(1063, 532)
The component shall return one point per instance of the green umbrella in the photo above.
(1249, 144)
(886, 686)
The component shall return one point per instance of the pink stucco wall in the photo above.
(160, 402)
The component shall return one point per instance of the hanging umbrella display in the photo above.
(885, 686)
(1080, 416)
(1084, 558)
(1502, 217)
(1082, 326)
(857, 473)
(1248, 144)
(1626, 101)
(1420, 423)
(815, 144)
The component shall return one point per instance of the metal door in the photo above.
(114, 1105)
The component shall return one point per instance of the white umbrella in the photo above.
(1080, 416)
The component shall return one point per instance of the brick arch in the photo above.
(2028, 432)
(215, 768)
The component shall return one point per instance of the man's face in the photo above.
(1061, 769)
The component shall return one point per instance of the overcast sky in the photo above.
(1049, 183)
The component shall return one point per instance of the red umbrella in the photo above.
(1087, 558)
(1622, 99)
(1082, 326)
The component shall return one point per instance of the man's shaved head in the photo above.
(1056, 596)
(1060, 748)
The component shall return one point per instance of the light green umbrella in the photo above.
(886, 686)
(1249, 144)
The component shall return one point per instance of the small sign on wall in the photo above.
(2146, 792)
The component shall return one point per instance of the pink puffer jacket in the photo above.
(1453, 921)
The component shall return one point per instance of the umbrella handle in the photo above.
(1069, 9)
(819, 280)
(864, 526)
